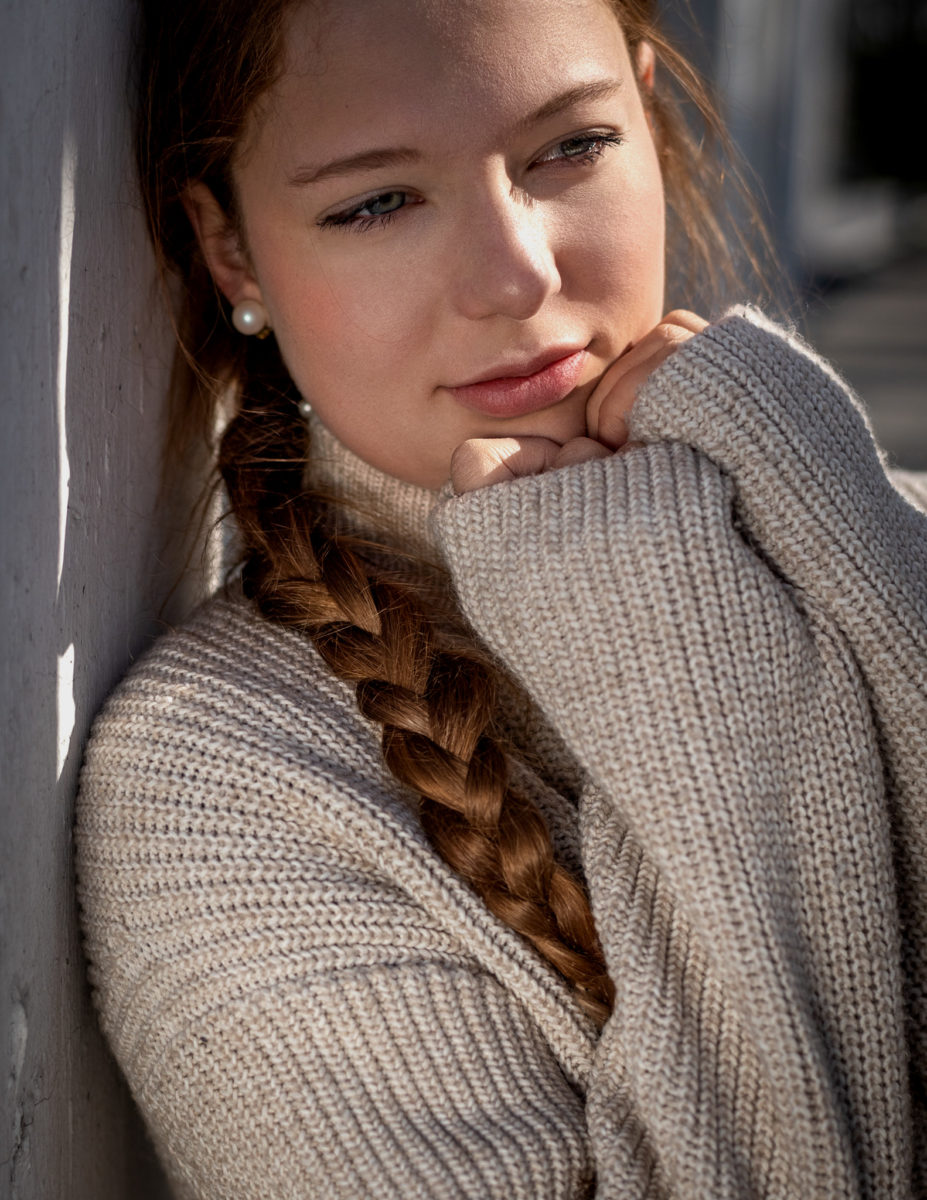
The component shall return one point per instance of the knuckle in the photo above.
(685, 320)
(671, 333)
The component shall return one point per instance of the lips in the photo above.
(547, 380)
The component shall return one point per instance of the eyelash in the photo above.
(595, 145)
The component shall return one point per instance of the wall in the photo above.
(86, 563)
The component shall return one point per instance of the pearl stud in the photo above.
(250, 317)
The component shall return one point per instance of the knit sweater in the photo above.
(720, 639)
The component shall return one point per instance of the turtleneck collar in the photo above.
(379, 503)
(397, 513)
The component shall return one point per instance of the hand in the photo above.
(480, 462)
(609, 406)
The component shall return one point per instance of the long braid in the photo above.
(434, 696)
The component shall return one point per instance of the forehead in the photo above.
(418, 62)
(468, 28)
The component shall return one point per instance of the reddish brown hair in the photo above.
(202, 69)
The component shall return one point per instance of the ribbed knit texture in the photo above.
(396, 510)
(724, 635)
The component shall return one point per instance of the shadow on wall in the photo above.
(86, 564)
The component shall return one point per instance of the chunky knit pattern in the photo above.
(721, 639)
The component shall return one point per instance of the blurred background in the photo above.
(824, 99)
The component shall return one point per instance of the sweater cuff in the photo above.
(589, 560)
(810, 481)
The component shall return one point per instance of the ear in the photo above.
(225, 256)
(645, 66)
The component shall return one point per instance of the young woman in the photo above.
(542, 813)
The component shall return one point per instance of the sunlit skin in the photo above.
(509, 230)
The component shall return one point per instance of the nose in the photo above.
(506, 262)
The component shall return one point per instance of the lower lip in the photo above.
(517, 395)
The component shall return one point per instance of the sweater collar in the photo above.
(380, 504)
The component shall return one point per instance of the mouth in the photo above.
(524, 388)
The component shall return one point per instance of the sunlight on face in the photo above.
(436, 194)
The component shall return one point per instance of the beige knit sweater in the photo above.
(722, 641)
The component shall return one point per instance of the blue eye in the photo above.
(378, 210)
(381, 205)
(582, 149)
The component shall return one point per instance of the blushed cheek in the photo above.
(621, 271)
(372, 302)
(342, 341)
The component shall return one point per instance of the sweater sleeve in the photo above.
(736, 833)
(413, 1080)
(811, 491)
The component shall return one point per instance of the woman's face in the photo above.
(439, 198)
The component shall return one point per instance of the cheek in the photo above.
(617, 235)
(356, 296)
(617, 261)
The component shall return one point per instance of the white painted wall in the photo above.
(84, 353)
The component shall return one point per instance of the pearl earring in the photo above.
(250, 317)
(305, 409)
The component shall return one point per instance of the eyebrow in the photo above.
(367, 160)
(372, 160)
(599, 89)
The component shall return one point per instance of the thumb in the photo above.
(479, 462)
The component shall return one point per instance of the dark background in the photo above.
(824, 99)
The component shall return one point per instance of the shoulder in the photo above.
(218, 673)
(227, 760)
(230, 736)
(233, 811)
(226, 701)
(231, 732)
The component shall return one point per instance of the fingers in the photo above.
(482, 461)
(685, 319)
(610, 404)
(578, 450)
